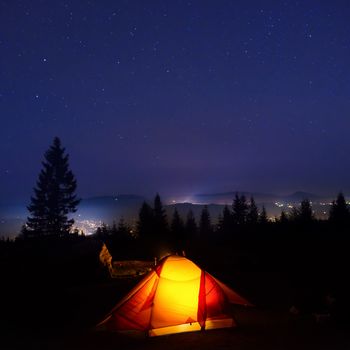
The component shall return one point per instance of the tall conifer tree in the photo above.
(191, 228)
(263, 219)
(239, 210)
(177, 229)
(306, 213)
(205, 227)
(145, 222)
(227, 221)
(160, 218)
(253, 213)
(54, 195)
(339, 211)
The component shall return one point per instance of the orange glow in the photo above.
(175, 302)
(189, 327)
(178, 268)
(176, 297)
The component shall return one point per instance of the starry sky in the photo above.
(179, 97)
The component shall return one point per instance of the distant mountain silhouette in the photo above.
(109, 208)
(300, 195)
(227, 197)
(116, 200)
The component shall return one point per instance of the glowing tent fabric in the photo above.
(176, 297)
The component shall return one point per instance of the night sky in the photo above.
(179, 97)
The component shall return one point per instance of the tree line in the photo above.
(155, 231)
(54, 201)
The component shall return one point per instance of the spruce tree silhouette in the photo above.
(105, 231)
(283, 219)
(253, 213)
(205, 227)
(339, 211)
(123, 230)
(98, 232)
(263, 216)
(191, 228)
(294, 215)
(177, 229)
(160, 239)
(226, 224)
(160, 219)
(303, 214)
(239, 209)
(145, 222)
(306, 215)
(54, 196)
(114, 230)
(149, 238)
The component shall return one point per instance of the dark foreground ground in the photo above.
(46, 305)
(259, 329)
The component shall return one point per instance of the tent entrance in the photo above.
(192, 327)
(181, 328)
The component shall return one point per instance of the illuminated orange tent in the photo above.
(176, 297)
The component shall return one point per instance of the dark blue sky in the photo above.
(177, 96)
